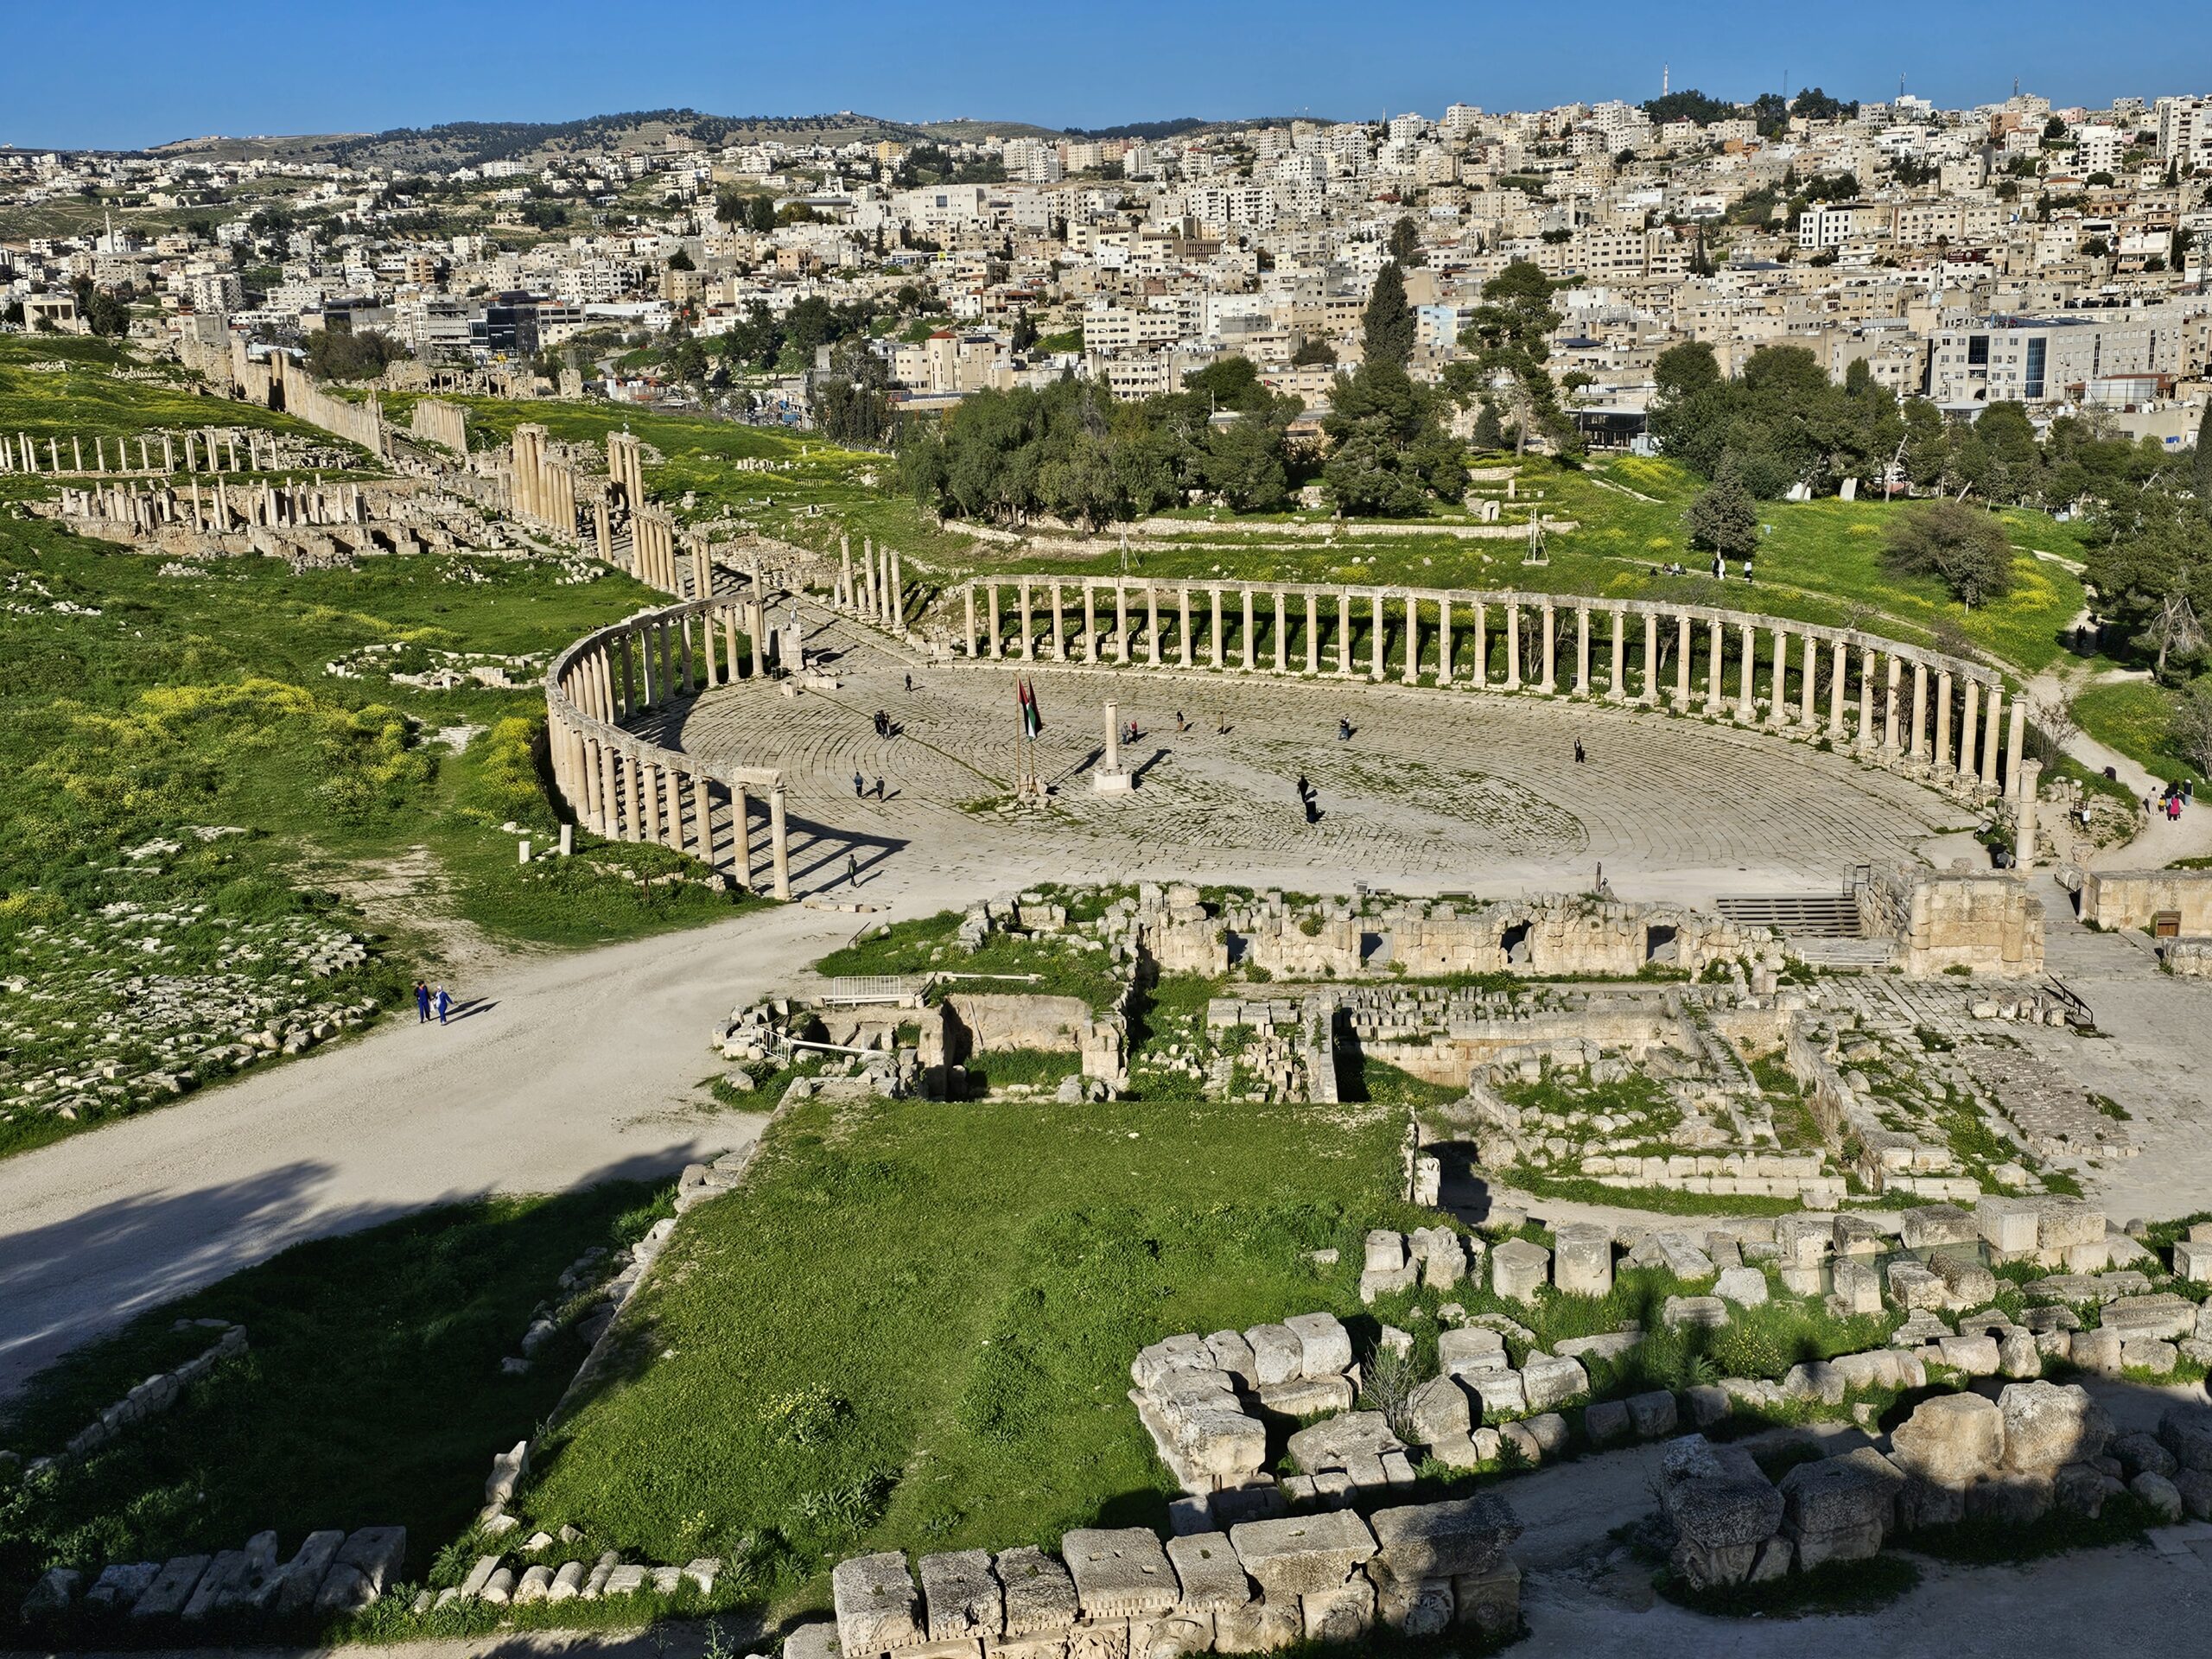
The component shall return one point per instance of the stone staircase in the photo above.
(1820, 929)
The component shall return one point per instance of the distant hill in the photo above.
(471, 144)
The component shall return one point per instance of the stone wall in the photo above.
(1987, 922)
(2123, 900)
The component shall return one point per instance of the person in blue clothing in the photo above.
(445, 1004)
(421, 1003)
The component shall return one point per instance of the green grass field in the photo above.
(370, 1394)
(2134, 718)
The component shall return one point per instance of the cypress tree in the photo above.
(1386, 328)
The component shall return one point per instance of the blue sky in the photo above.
(129, 73)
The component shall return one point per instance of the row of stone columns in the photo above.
(1904, 705)
(541, 490)
(289, 505)
(626, 472)
(652, 550)
(877, 589)
(624, 788)
(204, 452)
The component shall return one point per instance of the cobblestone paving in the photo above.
(1434, 789)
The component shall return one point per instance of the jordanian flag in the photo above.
(1025, 698)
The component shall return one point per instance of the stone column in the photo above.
(1313, 631)
(1989, 736)
(845, 580)
(968, 602)
(1344, 632)
(1650, 695)
(1216, 652)
(1681, 661)
(1582, 651)
(1839, 671)
(1967, 711)
(1809, 680)
(1028, 625)
(729, 642)
(1747, 636)
(1481, 676)
(1892, 679)
(703, 819)
(740, 835)
(1412, 665)
(1251, 642)
(2023, 815)
(2015, 738)
(1282, 632)
(1778, 709)
(898, 618)
(1617, 690)
(779, 841)
(1375, 655)
(1121, 622)
(1112, 736)
(644, 801)
(998, 649)
(1551, 649)
(1090, 623)
(1919, 710)
(1940, 753)
(1512, 645)
(1715, 685)
(1444, 639)
(1185, 649)
(1152, 625)
(1060, 637)
(609, 796)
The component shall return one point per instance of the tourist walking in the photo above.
(910, 684)
(421, 1003)
(445, 1004)
(878, 789)
(859, 790)
(1344, 729)
(1579, 756)
(852, 871)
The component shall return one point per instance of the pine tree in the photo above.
(1723, 519)
(1387, 329)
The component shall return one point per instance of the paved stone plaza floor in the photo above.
(1435, 791)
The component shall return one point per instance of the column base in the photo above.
(1116, 782)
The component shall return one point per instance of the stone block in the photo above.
(1395, 1282)
(1470, 1348)
(2160, 1494)
(1746, 1286)
(1967, 1282)
(1302, 1555)
(363, 1565)
(1490, 1601)
(1277, 1355)
(1036, 1591)
(960, 1597)
(1221, 1445)
(1500, 1393)
(2011, 1500)
(1950, 1439)
(1974, 1356)
(1120, 1572)
(1306, 1397)
(818, 1640)
(1106, 1639)
(1430, 1540)
(1324, 1343)
(1706, 1313)
(1211, 1576)
(1233, 1354)
(1440, 1409)
(2162, 1316)
(1651, 1414)
(171, 1588)
(1422, 1608)
(2186, 1431)
(1840, 1509)
(1606, 1423)
(1333, 1443)
(534, 1586)
(1716, 1496)
(1926, 1225)
(2097, 1349)
(1549, 1379)
(1342, 1616)
(2193, 1260)
(877, 1604)
(1582, 1261)
(1260, 1627)
(121, 1584)
(1858, 1287)
(2149, 1354)
(1517, 1268)
(1442, 1256)
(2046, 1425)
(2195, 1486)
(1708, 1405)
(56, 1590)
(1386, 1251)
(2007, 1224)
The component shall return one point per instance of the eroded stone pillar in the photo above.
(1617, 690)
(2015, 738)
(1059, 631)
(998, 649)
(1990, 734)
(1444, 639)
(1551, 649)
(1893, 681)
(1028, 625)
(1344, 632)
(1513, 645)
(1681, 661)
(1121, 622)
(1919, 710)
(1313, 631)
(1715, 682)
(1251, 640)
(1375, 655)
(779, 841)
(1650, 695)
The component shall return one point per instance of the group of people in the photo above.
(1676, 568)
(860, 788)
(428, 998)
(2177, 796)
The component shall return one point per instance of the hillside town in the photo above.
(2055, 256)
